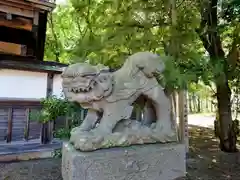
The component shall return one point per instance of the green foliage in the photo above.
(52, 107)
(103, 31)
(231, 10)
(107, 31)
(62, 133)
(57, 153)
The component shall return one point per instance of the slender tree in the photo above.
(209, 33)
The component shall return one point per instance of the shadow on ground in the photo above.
(205, 162)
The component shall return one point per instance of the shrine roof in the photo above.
(30, 64)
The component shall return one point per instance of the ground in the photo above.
(47, 169)
(205, 161)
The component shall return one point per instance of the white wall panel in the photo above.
(22, 84)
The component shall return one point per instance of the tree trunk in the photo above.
(198, 104)
(209, 35)
(190, 103)
(206, 105)
(194, 103)
(227, 135)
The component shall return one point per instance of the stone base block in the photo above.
(143, 162)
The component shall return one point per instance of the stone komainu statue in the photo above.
(109, 97)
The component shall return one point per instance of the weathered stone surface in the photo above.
(144, 162)
(126, 133)
(109, 96)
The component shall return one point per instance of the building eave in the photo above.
(31, 64)
(42, 5)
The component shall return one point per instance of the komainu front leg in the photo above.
(96, 138)
(80, 135)
(89, 121)
(111, 117)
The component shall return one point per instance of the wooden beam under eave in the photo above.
(30, 5)
(36, 18)
(18, 23)
(45, 8)
(10, 48)
(43, 3)
(18, 4)
(16, 11)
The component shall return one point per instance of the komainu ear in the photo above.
(105, 83)
(104, 77)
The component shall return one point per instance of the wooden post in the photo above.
(26, 130)
(47, 128)
(173, 107)
(35, 33)
(10, 122)
(183, 118)
(49, 93)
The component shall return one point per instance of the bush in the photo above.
(54, 107)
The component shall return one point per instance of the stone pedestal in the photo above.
(143, 162)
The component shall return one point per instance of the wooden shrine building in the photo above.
(24, 77)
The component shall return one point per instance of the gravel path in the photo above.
(45, 169)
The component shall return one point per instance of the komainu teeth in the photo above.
(78, 90)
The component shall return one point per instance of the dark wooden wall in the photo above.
(15, 122)
(3, 124)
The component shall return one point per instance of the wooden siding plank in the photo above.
(18, 124)
(34, 126)
(19, 112)
(34, 130)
